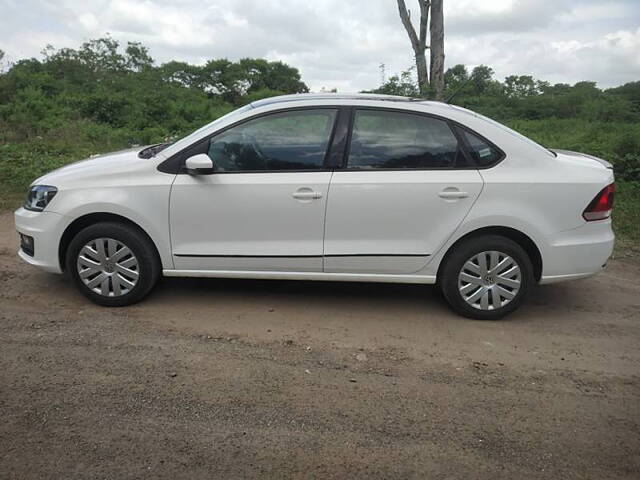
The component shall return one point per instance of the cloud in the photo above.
(617, 52)
(341, 44)
(473, 18)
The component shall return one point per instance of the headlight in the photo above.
(39, 197)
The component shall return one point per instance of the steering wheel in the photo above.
(250, 140)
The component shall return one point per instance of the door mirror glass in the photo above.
(199, 164)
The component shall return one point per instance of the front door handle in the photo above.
(452, 194)
(306, 194)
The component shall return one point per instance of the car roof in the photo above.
(337, 97)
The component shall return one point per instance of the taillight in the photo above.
(601, 206)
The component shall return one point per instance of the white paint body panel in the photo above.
(393, 213)
(120, 184)
(532, 191)
(241, 215)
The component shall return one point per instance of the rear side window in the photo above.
(483, 154)
(294, 140)
(395, 140)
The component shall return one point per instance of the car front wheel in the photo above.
(486, 277)
(113, 264)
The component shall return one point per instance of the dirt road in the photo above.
(246, 379)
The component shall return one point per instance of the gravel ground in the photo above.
(247, 379)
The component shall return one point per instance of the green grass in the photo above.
(626, 219)
(23, 161)
(608, 140)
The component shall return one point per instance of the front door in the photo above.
(263, 207)
(406, 187)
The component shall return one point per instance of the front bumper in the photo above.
(46, 229)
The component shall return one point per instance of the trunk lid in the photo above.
(577, 156)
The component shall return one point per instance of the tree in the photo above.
(137, 57)
(482, 78)
(519, 86)
(628, 91)
(456, 76)
(402, 85)
(432, 76)
(418, 41)
(437, 49)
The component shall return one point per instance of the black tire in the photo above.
(466, 250)
(148, 264)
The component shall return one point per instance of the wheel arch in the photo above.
(517, 236)
(91, 219)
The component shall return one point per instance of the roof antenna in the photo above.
(464, 84)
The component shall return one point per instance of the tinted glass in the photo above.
(483, 153)
(283, 141)
(402, 140)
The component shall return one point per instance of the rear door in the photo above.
(406, 186)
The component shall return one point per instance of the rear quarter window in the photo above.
(483, 153)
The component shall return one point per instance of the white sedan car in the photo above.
(329, 187)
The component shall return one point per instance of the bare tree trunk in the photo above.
(418, 43)
(437, 49)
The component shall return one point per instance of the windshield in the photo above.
(226, 117)
(153, 150)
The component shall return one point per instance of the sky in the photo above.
(341, 43)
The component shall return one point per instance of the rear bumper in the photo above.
(545, 280)
(46, 228)
(577, 253)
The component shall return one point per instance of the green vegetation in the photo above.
(103, 97)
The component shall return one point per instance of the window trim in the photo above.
(340, 139)
(453, 125)
(175, 163)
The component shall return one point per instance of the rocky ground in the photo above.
(246, 379)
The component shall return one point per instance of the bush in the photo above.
(628, 167)
(608, 140)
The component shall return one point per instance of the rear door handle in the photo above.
(452, 194)
(306, 194)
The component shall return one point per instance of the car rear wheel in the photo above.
(113, 264)
(486, 277)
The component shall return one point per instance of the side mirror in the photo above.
(199, 164)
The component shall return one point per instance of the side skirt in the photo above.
(317, 276)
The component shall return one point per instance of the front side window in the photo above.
(294, 140)
(394, 140)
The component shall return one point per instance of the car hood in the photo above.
(582, 158)
(99, 166)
